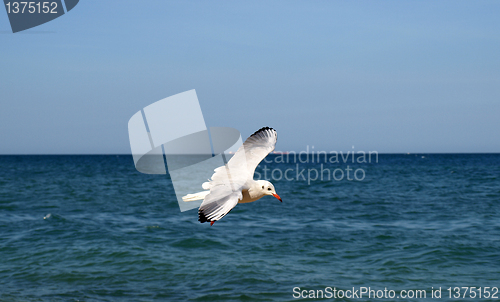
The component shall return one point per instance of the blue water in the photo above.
(92, 228)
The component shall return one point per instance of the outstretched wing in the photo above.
(220, 201)
(256, 148)
(241, 166)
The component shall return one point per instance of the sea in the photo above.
(398, 227)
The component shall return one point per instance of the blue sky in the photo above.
(390, 76)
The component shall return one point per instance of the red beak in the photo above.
(277, 196)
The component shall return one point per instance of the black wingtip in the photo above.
(262, 129)
(201, 217)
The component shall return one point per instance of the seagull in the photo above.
(233, 183)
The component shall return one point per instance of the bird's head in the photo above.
(267, 188)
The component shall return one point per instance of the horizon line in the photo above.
(281, 153)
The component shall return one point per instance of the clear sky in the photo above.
(390, 76)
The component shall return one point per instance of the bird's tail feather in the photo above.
(195, 196)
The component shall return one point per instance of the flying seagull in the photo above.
(233, 183)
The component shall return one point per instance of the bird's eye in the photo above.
(262, 187)
(269, 189)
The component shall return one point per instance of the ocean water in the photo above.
(92, 228)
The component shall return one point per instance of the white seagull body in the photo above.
(233, 183)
